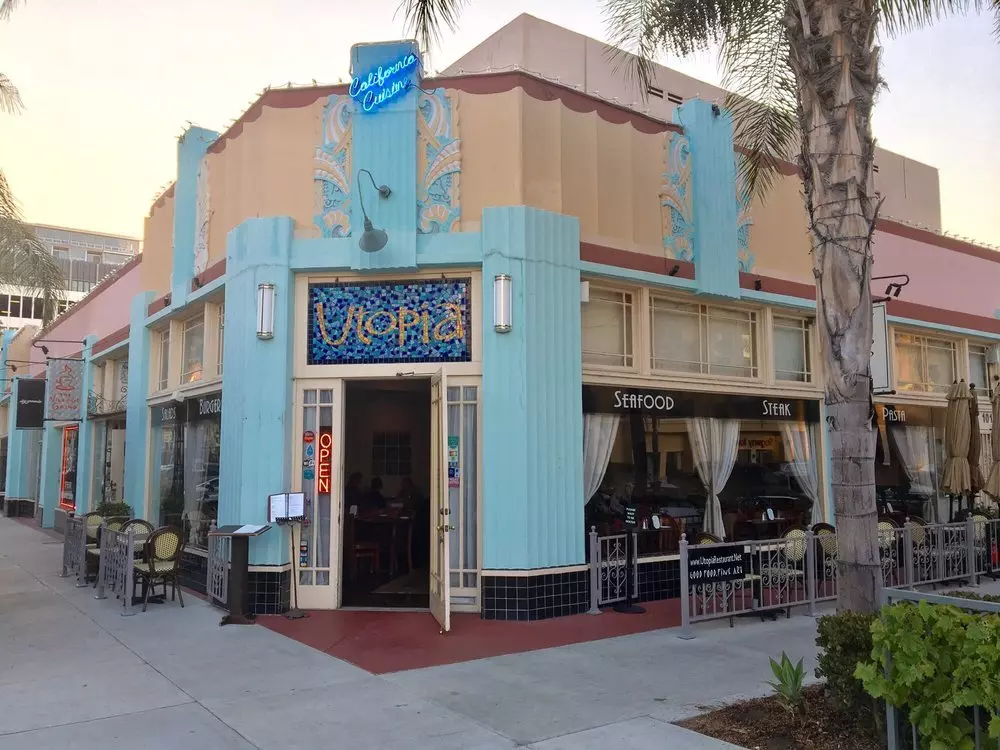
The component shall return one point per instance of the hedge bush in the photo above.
(845, 640)
(109, 510)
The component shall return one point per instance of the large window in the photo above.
(163, 379)
(194, 349)
(924, 364)
(704, 340)
(791, 350)
(978, 371)
(606, 321)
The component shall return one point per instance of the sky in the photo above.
(108, 85)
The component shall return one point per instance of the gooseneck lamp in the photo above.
(372, 240)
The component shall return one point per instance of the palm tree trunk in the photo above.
(835, 61)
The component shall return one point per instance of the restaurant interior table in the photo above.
(396, 522)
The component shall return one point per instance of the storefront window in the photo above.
(909, 456)
(924, 364)
(791, 350)
(704, 340)
(606, 322)
(704, 465)
(194, 349)
(163, 379)
(978, 371)
(67, 473)
(186, 450)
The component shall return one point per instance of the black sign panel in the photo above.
(682, 404)
(204, 407)
(630, 513)
(30, 414)
(167, 414)
(710, 564)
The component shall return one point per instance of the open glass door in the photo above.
(440, 583)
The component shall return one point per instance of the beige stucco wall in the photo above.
(267, 170)
(158, 247)
(779, 239)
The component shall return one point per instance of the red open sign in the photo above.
(324, 462)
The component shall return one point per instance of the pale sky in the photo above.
(108, 85)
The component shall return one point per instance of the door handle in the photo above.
(446, 527)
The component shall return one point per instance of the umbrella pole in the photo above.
(951, 511)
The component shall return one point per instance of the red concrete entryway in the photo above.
(382, 642)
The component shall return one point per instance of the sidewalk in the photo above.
(73, 672)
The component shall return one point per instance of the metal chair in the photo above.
(161, 561)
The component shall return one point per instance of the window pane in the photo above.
(194, 349)
(676, 337)
(940, 364)
(731, 343)
(15, 306)
(201, 480)
(978, 373)
(164, 379)
(222, 336)
(924, 364)
(606, 322)
(791, 350)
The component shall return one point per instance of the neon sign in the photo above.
(325, 463)
(385, 83)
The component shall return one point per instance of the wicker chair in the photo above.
(161, 560)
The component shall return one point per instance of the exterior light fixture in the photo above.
(502, 303)
(265, 311)
(372, 240)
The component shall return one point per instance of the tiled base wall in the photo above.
(269, 593)
(547, 595)
(194, 572)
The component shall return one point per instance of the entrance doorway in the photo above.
(387, 480)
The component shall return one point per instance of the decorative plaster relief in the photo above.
(675, 198)
(743, 222)
(332, 169)
(439, 163)
(202, 216)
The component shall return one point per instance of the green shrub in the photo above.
(787, 683)
(109, 510)
(844, 641)
(974, 596)
(944, 661)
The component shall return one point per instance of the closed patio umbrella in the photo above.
(992, 486)
(957, 433)
(976, 480)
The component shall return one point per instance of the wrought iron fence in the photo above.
(75, 549)
(900, 733)
(219, 558)
(117, 564)
(609, 569)
(800, 569)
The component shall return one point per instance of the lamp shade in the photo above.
(265, 311)
(502, 303)
(372, 239)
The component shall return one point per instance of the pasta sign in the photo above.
(324, 462)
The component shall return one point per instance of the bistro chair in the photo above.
(161, 560)
(360, 549)
(92, 528)
(142, 529)
(786, 566)
(705, 538)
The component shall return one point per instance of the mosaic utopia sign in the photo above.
(384, 322)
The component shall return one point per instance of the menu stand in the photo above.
(239, 570)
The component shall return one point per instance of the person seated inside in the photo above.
(374, 499)
(352, 491)
(409, 496)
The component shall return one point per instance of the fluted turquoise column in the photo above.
(136, 411)
(48, 487)
(84, 448)
(257, 398)
(532, 405)
(191, 148)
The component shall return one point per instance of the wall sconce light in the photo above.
(758, 285)
(265, 311)
(502, 303)
(673, 271)
(372, 239)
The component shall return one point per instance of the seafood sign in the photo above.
(65, 389)
(384, 322)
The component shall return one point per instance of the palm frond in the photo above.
(425, 19)
(901, 16)
(9, 210)
(26, 263)
(7, 7)
(763, 98)
(10, 98)
(632, 43)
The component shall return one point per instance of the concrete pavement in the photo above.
(73, 671)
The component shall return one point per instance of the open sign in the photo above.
(324, 462)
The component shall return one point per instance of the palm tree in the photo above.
(803, 76)
(24, 261)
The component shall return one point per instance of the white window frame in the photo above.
(807, 325)
(630, 357)
(163, 341)
(187, 326)
(704, 311)
(926, 342)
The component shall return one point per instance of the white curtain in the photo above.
(714, 443)
(800, 451)
(914, 444)
(599, 433)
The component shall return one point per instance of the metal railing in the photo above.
(115, 570)
(219, 560)
(609, 569)
(755, 577)
(897, 725)
(75, 549)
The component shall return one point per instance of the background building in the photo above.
(85, 257)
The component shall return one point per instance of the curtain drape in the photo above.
(800, 451)
(599, 433)
(714, 443)
(914, 444)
